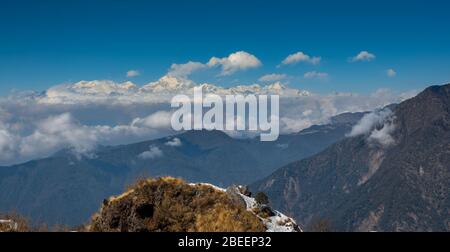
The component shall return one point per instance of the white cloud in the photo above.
(62, 131)
(391, 73)
(57, 132)
(315, 75)
(236, 61)
(152, 153)
(378, 126)
(7, 144)
(175, 142)
(369, 122)
(383, 136)
(307, 112)
(186, 69)
(157, 120)
(132, 73)
(301, 57)
(272, 77)
(299, 113)
(363, 56)
(292, 124)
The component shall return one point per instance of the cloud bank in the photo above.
(83, 115)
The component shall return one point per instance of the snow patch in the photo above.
(210, 185)
(277, 223)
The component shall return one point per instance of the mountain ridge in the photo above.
(43, 189)
(361, 186)
(159, 91)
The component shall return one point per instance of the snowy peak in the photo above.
(159, 91)
(276, 88)
(87, 91)
(103, 87)
(212, 89)
(250, 89)
(282, 89)
(168, 84)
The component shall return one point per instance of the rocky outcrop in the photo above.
(172, 205)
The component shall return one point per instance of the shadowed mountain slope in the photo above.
(366, 183)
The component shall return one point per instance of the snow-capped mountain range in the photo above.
(158, 91)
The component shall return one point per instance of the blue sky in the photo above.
(46, 43)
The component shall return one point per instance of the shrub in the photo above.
(261, 198)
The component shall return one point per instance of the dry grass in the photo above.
(171, 205)
(17, 223)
